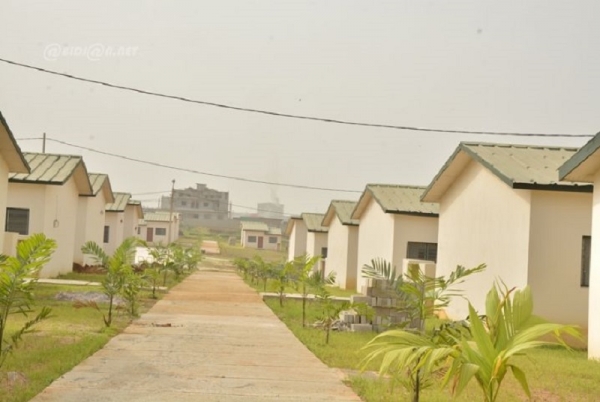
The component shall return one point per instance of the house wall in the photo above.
(375, 238)
(266, 244)
(342, 253)
(116, 222)
(315, 241)
(90, 225)
(594, 289)
(3, 190)
(297, 245)
(559, 220)
(483, 220)
(408, 228)
(159, 239)
(131, 218)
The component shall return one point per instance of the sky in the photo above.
(465, 65)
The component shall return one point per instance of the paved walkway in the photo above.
(210, 339)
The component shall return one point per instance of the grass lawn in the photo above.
(230, 251)
(553, 374)
(63, 340)
(333, 290)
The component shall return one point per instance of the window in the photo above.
(251, 239)
(196, 216)
(183, 203)
(160, 231)
(139, 230)
(206, 204)
(272, 239)
(106, 233)
(323, 252)
(17, 220)
(422, 251)
(586, 251)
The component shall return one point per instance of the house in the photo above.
(162, 227)
(114, 226)
(342, 242)
(260, 236)
(504, 205)
(584, 167)
(132, 216)
(394, 225)
(316, 238)
(46, 200)
(11, 161)
(90, 216)
(296, 232)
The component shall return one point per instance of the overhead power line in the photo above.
(222, 176)
(288, 115)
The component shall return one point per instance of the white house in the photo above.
(11, 161)
(504, 205)
(114, 224)
(90, 215)
(131, 218)
(162, 227)
(584, 166)
(342, 242)
(46, 200)
(260, 236)
(394, 225)
(296, 232)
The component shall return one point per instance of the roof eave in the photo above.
(573, 168)
(19, 164)
(574, 188)
(362, 203)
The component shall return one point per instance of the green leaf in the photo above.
(520, 376)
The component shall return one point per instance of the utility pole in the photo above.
(44, 143)
(171, 210)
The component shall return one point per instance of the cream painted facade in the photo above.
(264, 240)
(298, 239)
(116, 230)
(315, 243)
(52, 211)
(342, 253)
(90, 225)
(523, 236)
(594, 289)
(386, 236)
(131, 218)
(3, 196)
(163, 226)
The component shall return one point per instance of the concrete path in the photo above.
(210, 247)
(210, 339)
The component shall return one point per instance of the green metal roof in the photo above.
(255, 226)
(313, 222)
(519, 166)
(395, 199)
(343, 210)
(274, 231)
(54, 169)
(584, 163)
(159, 216)
(121, 200)
(100, 181)
(10, 151)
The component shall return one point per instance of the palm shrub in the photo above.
(421, 297)
(118, 267)
(17, 283)
(508, 329)
(281, 277)
(305, 278)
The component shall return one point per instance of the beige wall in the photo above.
(131, 218)
(297, 245)
(266, 244)
(594, 289)
(159, 239)
(48, 204)
(559, 220)
(314, 242)
(408, 228)
(116, 222)
(90, 225)
(375, 238)
(342, 243)
(483, 220)
(3, 196)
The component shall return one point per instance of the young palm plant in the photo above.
(118, 269)
(305, 278)
(410, 350)
(17, 282)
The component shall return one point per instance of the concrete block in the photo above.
(361, 327)
(360, 299)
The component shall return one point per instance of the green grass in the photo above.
(79, 276)
(554, 374)
(237, 251)
(62, 341)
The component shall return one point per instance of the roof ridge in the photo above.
(395, 185)
(52, 154)
(504, 145)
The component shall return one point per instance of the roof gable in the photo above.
(120, 203)
(519, 166)
(290, 224)
(137, 205)
(10, 151)
(583, 164)
(313, 222)
(395, 199)
(101, 182)
(160, 216)
(54, 169)
(255, 226)
(342, 210)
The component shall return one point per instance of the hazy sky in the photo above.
(499, 66)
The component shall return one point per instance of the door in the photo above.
(260, 242)
(149, 234)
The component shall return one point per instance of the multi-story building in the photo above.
(200, 206)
